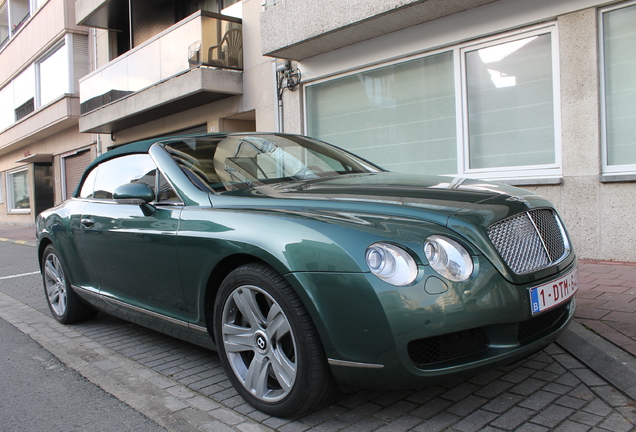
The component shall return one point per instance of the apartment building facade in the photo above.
(43, 53)
(536, 94)
(80, 77)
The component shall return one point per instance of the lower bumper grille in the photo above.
(453, 346)
(438, 349)
(535, 326)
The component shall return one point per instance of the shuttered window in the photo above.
(74, 167)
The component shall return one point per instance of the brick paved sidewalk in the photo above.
(606, 301)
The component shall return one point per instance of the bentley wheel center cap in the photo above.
(260, 342)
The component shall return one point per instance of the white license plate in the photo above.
(554, 293)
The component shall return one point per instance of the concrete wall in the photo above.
(600, 216)
(299, 29)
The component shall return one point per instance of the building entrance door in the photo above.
(42, 186)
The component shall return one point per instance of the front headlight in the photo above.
(391, 264)
(448, 258)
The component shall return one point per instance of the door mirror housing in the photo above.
(134, 193)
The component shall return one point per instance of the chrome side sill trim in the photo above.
(199, 328)
(95, 293)
(345, 363)
(145, 311)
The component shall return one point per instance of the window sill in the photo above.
(537, 181)
(617, 178)
(19, 212)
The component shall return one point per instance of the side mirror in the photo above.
(134, 193)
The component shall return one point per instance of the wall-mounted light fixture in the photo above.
(287, 77)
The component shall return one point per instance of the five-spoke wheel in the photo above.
(259, 343)
(55, 284)
(268, 343)
(65, 306)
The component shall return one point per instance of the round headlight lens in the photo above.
(391, 264)
(448, 258)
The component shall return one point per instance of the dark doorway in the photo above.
(42, 187)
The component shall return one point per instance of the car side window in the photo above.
(166, 192)
(109, 175)
(123, 170)
(88, 186)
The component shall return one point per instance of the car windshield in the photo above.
(239, 161)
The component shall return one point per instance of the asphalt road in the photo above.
(39, 393)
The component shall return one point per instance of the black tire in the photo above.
(65, 305)
(262, 326)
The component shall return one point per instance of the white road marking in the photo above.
(19, 275)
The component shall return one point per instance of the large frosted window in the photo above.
(54, 76)
(413, 117)
(619, 54)
(401, 117)
(510, 104)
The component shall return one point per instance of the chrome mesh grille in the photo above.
(530, 241)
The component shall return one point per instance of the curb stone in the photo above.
(606, 359)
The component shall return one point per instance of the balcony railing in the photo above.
(204, 39)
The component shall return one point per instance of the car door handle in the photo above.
(87, 223)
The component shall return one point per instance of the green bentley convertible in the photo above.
(306, 266)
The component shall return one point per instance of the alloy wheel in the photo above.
(259, 342)
(55, 284)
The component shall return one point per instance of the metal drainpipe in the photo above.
(279, 99)
(98, 138)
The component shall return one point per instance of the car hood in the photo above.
(466, 206)
(434, 198)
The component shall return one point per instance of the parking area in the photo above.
(183, 387)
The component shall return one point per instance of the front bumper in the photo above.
(379, 335)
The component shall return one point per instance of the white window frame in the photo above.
(608, 169)
(9, 183)
(529, 173)
(67, 44)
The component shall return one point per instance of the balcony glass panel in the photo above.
(4, 23)
(202, 40)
